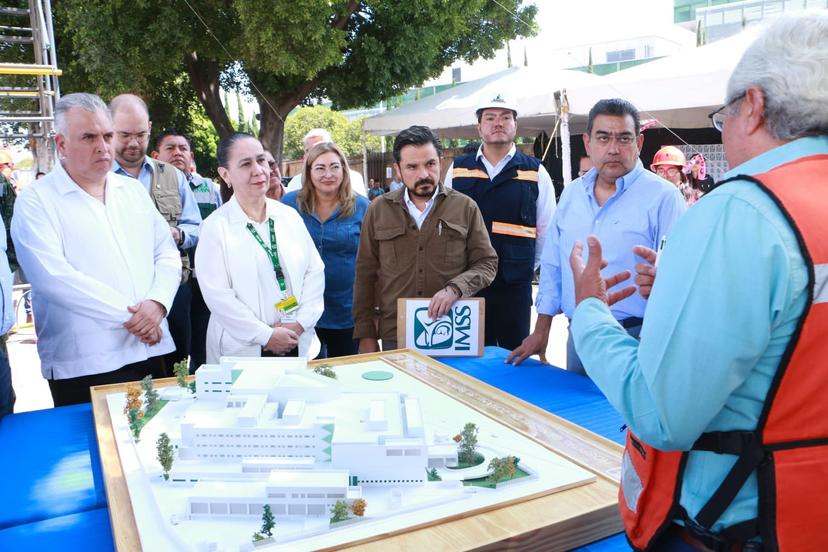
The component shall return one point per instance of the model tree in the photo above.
(134, 417)
(358, 507)
(339, 511)
(268, 522)
(133, 398)
(501, 469)
(181, 372)
(165, 454)
(325, 370)
(433, 475)
(150, 394)
(467, 450)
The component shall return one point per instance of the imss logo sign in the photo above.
(458, 333)
(452, 331)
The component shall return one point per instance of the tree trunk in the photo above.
(274, 110)
(272, 128)
(204, 76)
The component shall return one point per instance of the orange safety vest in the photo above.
(789, 447)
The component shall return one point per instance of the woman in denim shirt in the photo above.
(333, 215)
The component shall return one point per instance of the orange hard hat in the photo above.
(668, 155)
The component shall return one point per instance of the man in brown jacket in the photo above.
(422, 240)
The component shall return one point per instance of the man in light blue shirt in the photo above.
(7, 321)
(172, 196)
(732, 282)
(619, 201)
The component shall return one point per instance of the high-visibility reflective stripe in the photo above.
(631, 484)
(820, 283)
(514, 230)
(468, 173)
(527, 175)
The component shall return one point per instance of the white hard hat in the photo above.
(497, 101)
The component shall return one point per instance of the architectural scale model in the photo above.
(268, 454)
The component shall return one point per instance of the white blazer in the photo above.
(239, 284)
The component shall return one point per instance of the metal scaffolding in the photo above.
(33, 105)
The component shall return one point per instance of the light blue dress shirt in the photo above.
(6, 284)
(730, 289)
(190, 218)
(642, 210)
(337, 240)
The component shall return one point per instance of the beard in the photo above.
(423, 188)
(132, 154)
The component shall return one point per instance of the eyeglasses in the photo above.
(127, 137)
(718, 116)
(321, 170)
(666, 170)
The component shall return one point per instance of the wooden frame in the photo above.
(402, 322)
(558, 521)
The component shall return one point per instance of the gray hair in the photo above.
(788, 63)
(313, 133)
(79, 100)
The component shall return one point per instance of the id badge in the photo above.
(288, 308)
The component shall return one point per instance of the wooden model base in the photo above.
(559, 521)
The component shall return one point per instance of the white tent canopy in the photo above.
(451, 112)
(679, 90)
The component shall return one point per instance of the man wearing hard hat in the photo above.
(517, 199)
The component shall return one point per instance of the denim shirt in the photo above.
(337, 241)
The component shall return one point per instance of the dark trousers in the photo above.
(337, 343)
(7, 396)
(508, 312)
(199, 319)
(179, 320)
(76, 390)
(573, 361)
(292, 353)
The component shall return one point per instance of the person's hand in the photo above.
(146, 318)
(296, 327)
(441, 302)
(368, 345)
(153, 337)
(176, 234)
(645, 272)
(282, 340)
(588, 280)
(534, 344)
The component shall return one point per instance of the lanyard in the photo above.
(272, 252)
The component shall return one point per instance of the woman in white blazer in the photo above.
(263, 301)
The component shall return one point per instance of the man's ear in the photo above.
(586, 144)
(154, 154)
(754, 102)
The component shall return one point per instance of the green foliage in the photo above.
(134, 416)
(433, 475)
(467, 448)
(325, 370)
(347, 134)
(150, 394)
(339, 511)
(268, 522)
(501, 468)
(257, 537)
(192, 387)
(354, 53)
(165, 454)
(181, 372)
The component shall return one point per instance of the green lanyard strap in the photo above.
(272, 252)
